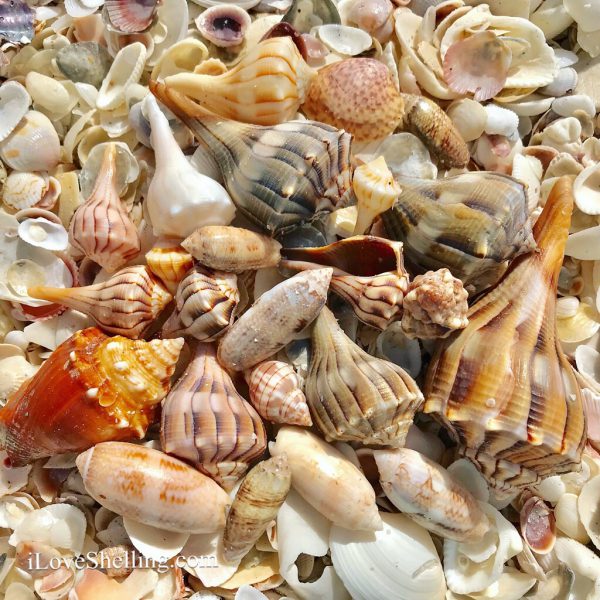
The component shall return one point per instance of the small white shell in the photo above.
(14, 104)
(568, 105)
(49, 95)
(24, 190)
(469, 118)
(500, 121)
(531, 105)
(11, 480)
(156, 544)
(564, 83)
(581, 326)
(568, 520)
(247, 4)
(345, 40)
(567, 307)
(44, 234)
(586, 190)
(583, 244)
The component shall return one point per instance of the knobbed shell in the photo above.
(169, 262)
(153, 488)
(428, 494)
(503, 384)
(205, 304)
(255, 505)
(275, 188)
(93, 388)
(101, 228)
(125, 304)
(205, 421)
(276, 393)
(266, 87)
(274, 319)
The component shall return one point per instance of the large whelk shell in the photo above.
(273, 187)
(353, 395)
(150, 487)
(93, 388)
(14, 104)
(503, 384)
(205, 421)
(459, 223)
(101, 228)
(125, 304)
(274, 319)
(327, 480)
(255, 505)
(266, 87)
(276, 393)
(429, 495)
(169, 262)
(205, 304)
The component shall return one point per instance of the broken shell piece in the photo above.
(588, 505)
(17, 20)
(306, 14)
(225, 26)
(14, 104)
(586, 190)
(157, 544)
(538, 526)
(84, 62)
(348, 41)
(14, 371)
(44, 234)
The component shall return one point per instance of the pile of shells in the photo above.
(299, 299)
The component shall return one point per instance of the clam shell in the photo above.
(43, 233)
(469, 118)
(585, 190)
(25, 190)
(14, 104)
(85, 62)
(131, 16)
(14, 371)
(345, 40)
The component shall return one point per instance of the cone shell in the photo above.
(101, 228)
(170, 263)
(276, 393)
(125, 304)
(255, 505)
(266, 87)
(206, 422)
(93, 388)
(354, 396)
(503, 384)
(152, 488)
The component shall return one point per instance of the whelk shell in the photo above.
(93, 388)
(169, 262)
(153, 488)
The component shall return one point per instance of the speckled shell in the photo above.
(170, 263)
(277, 176)
(354, 396)
(471, 224)
(93, 388)
(502, 385)
(205, 421)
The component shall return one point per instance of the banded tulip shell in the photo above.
(274, 319)
(503, 384)
(205, 304)
(152, 488)
(276, 393)
(92, 389)
(255, 505)
(232, 249)
(205, 421)
(428, 494)
(169, 262)
(266, 87)
(125, 304)
(471, 224)
(354, 396)
(101, 228)
(275, 188)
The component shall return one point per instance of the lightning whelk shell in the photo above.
(153, 488)
(169, 262)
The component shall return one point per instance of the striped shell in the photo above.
(277, 176)
(503, 384)
(170, 263)
(205, 421)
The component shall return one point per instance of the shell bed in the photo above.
(300, 299)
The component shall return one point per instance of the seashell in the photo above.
(17, 22)
(274, 319)
(469, 118)
(183, 56)
(33, 145)
(224, 26)
(306, 14)
(475, 237)
(125, 304)
(93, 388)
(586, 190)
(517, 429)
(205, 421)
(169, 262)
(14, 371)
(581, 326)
(25, 190)
(587, 509)
(427, 493)
(131, 16)
(327, 480)
(344, 40)
(283, 29)
(247, 4)
(500, 121)
(354, 396)
(49, 95)
(205, 304)
(43, 233)
(276, 393)
(538, 526)
(14, 104)
(101, 229)
(564, 83)
(372, 16)
(255, 505)
(85, 62)
(266, 87)
(360, 558)
(153, 488)
(274, 192)
(232, 249)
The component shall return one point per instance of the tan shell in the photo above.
(170, 263)
(25, 190)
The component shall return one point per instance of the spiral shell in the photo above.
(170, 263)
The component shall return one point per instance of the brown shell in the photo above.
(170, 263)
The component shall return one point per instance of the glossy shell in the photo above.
(170, 263)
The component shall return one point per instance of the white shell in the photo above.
(568, 105)
(210, 573)
(581, 326)
(581, 560)
(156, 544)
(407, 156)
(345, 40)
(399, 562)
(49, 95)
(588, 504)
(564, 83)
(567, 518)
(11, 480)
(529, 170)
(247, 4)
(531, 105)
(500, 121)
(469, 117)
(14, 104)
(587, 360)
(44, 234)
(584, 244)
(14, 371)
(24, 190)
(585, 13)
(586, 190)
(467, 474)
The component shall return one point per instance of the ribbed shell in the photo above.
(93, 388)
(472, 224)
(206, 421)
(503, 384)
(354, 396)
(125, 304)
(131, 16)
(101, 228)
(278, 176)
(170, 263)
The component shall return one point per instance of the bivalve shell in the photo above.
(14, 104)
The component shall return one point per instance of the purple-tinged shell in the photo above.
(16, 21)
(131, 16)
(224, 25)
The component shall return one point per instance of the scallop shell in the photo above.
(585, 190)
(224, 26)
(25, 190)
(14, 104)
(169, 262)
(93, 388)
(538, 526)
(131, 16)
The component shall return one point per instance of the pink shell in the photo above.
(131, 16)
